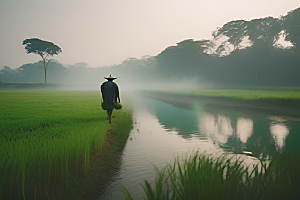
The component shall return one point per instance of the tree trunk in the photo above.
(45, 76)
(45, 68)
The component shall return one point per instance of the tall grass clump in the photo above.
(46, 141)
(202, 176)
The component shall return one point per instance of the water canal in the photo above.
(162, 131)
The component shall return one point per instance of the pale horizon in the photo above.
(106, 33)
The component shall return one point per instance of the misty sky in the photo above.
(106, 32)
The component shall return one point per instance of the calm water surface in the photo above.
(162, 131)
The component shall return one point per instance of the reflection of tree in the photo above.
(184, 121)
(233, 145)
(261, 143)
(292, 141)
(279, 132)
(222, 129)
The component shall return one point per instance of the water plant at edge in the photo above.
(202, 176)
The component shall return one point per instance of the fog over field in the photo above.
(219, 77)
(185, 45)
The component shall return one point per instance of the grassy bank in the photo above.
(281, 101)
(105, 163)
(286, 94)
(202, 176)
(28, 86)
(48, 139)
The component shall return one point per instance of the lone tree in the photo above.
(42, 48)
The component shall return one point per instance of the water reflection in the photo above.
(162, 131)
(217, 128)
(279, 133)
(184, 121)
(240, 132)
(244, 129)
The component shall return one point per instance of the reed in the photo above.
(202, 176)
(46, 141)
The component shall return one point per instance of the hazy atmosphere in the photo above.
(157, 99)
(103, 33)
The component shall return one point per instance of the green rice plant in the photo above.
(126, 194)
(202, 176)
(281, 179)
(205, 177)
(47, 139)
(162, 190)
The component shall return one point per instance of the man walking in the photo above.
(110, 94)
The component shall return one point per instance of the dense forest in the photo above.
(244, 53)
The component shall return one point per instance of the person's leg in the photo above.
(109, 116)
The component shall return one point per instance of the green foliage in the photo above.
(234, 30)
(47, 139)
(291, 25)
(126, 194)
(181, 59)
(243, 53)
(263, 31)
(202, 176)
(41, 47)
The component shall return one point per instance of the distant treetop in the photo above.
(41, 47)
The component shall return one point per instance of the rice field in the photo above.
(202, 176)
(47, 139)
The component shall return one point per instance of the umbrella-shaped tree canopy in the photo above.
(42, 48)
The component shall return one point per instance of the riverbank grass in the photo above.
(290, 94)
(202, 176)
(47, 139)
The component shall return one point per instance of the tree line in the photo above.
(246, 53)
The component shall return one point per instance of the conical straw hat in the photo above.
(110, 77)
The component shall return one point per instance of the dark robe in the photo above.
(110, 93)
